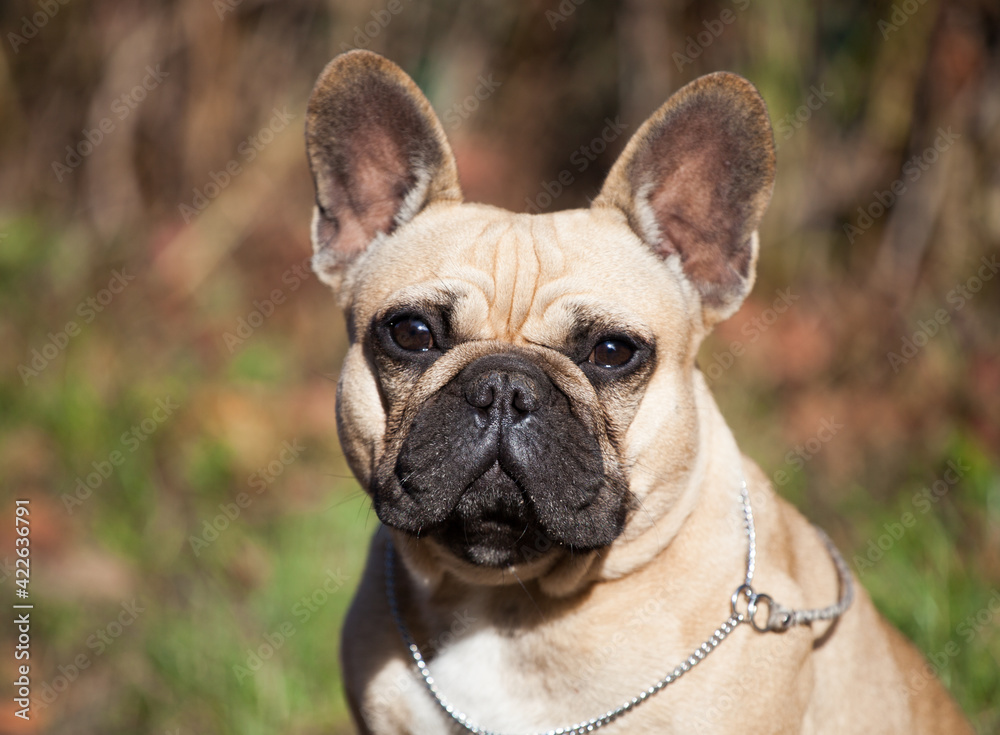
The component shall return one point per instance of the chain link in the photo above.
(779, 619)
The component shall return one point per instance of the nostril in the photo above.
(525, 400)
(480, 394)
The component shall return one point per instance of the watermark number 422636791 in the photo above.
(22, 620)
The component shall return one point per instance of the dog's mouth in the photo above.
(493, 524)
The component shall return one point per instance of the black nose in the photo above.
(507, 385)
(500, 390)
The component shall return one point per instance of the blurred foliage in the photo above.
(855, 90)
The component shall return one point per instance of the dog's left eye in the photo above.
(611, 353)
(412, 334)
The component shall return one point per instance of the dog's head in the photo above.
(516, 384)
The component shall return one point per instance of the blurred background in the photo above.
(168, 361)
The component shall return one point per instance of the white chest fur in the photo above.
(532, 681)
(479, 674)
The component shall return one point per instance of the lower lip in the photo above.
(498, 524)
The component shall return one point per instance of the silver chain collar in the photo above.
(779, 619)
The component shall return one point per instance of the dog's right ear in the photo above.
(378, 155)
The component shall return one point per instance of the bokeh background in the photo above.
(168, 363)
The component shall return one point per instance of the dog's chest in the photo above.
(482, 676)
(535, 680)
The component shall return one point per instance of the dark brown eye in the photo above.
(611, 353)
(412, 334)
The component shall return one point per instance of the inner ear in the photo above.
(377, 153)
(695, 181)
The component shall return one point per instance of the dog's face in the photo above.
(516, 385)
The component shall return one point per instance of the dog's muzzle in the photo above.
(498, 468)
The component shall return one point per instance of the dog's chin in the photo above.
(492, 542)
(493, 525)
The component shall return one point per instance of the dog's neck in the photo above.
(704, 505)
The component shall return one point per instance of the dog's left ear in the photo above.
(378, 155)
(694, 182)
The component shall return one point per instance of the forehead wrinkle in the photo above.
(551, 259)
(470, 268)
(527, 267)
(472, 251)
(549, 295)
(502, 278)
(553, 268)
(483, 268)
(547, 263)
(476, 278)
(538, 274)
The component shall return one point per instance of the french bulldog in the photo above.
(559, 496)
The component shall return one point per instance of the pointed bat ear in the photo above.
(694, 182)
(378, 155)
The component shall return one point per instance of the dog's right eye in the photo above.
(412, 334)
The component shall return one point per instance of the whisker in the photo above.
(540, 613)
